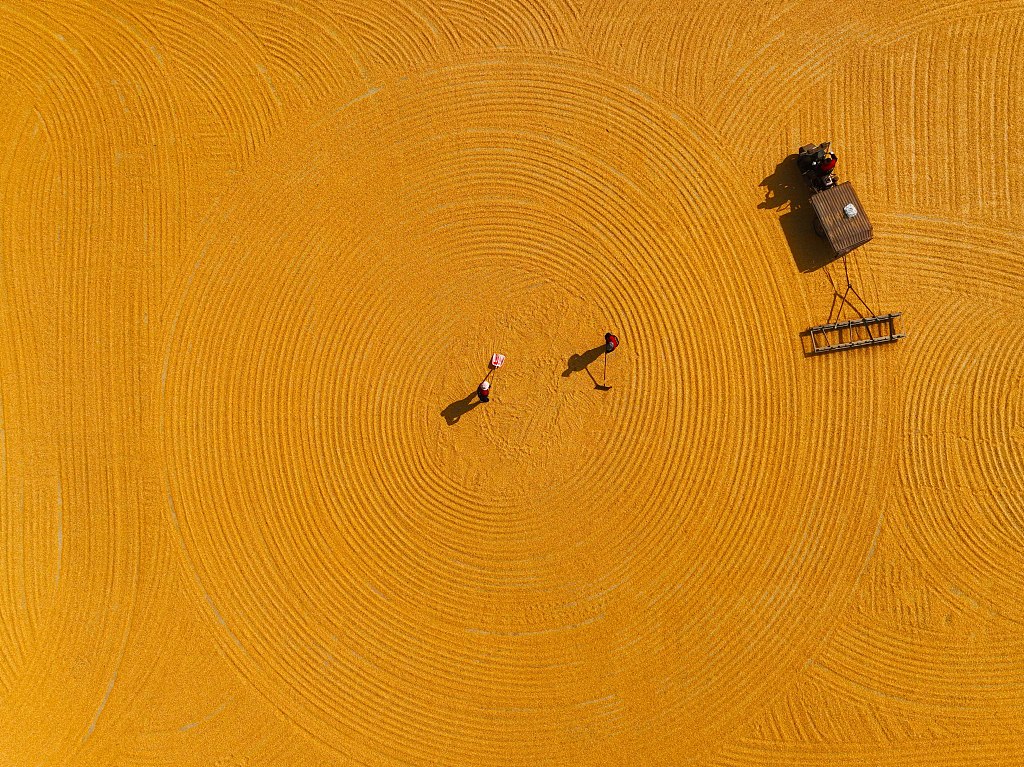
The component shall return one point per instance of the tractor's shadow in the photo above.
(786, 187)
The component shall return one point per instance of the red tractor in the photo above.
(817, 164)
(840, 219)
(839, 216)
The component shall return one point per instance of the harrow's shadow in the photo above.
(459, 408)
(806, 344)
(578, 362)
(786, 186)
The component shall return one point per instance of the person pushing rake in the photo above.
(483, 391)
(611, 343)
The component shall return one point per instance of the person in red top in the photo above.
(610, 342)
(828, 164)
(484, 391)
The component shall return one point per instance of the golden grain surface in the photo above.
(254, 256)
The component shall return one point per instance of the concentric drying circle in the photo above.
(413, 576)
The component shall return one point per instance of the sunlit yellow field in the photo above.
(254, 258)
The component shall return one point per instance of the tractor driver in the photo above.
(828, 164)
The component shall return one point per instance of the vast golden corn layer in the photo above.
(254, 257)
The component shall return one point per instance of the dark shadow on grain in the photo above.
(578, 362)
(459, 408)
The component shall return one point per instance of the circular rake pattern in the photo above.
(563, 571)
(964, 463)
(962, 458)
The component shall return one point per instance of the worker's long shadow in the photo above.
(578, 362)
(787, 186)
(459, 408)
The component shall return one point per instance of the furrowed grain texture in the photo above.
(254, 257)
